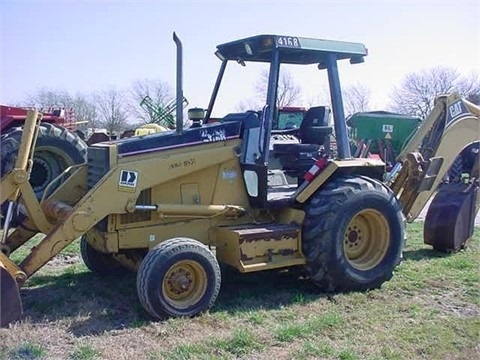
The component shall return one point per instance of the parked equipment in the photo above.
(162, 118)
(382, 133)
(173, 205)
(57, 145)
(289, 117)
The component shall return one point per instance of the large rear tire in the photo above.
(178, 277)
(353, 234)
(56, 149)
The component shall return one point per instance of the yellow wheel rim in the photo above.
(366, 239)
(184, 284)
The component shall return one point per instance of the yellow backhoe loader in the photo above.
(173, 205)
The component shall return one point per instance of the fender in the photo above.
(373, 168)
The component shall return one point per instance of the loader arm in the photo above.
(19, 174)
(11, 185)
(422, 165)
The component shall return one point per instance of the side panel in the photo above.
(218, 184)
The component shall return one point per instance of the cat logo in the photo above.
(128, 181)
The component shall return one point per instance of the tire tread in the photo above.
(161, 253)
(322, 218)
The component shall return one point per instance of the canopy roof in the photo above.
(293, 49)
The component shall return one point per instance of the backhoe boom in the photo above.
(423, 167)
(424, 162)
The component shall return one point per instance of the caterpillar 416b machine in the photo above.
(240, 191)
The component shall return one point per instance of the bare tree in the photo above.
(416, 94)
(288, 92)
(45, 98)
(469, 86)
(83, 106)
(356, 98)
(160, 93)
(112, 110)
(85, 111)
(247, 104)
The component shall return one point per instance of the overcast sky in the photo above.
(86, 46)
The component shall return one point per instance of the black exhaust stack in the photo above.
(179, 108)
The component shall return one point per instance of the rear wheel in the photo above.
(353, 234)
(100, 263)
(178, 277)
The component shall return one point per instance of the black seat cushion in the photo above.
(314, 126)
(296, 159)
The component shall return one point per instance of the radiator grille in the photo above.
(98, 164)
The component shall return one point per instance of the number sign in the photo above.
(387, 128)
(288, 41)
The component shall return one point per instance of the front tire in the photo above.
(178, 277)
(353, 234)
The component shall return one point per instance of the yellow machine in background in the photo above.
(161, 117)
(149, 129)
(173, 205)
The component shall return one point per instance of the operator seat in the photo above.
(296, 159)
(314, 127)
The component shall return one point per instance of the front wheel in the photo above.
(178, 277)
(353, 234)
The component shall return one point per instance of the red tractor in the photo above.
(57, 146)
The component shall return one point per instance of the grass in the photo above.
(240, 343)
(314, 324)
(27, 350)
(429, 310)
(85, 352)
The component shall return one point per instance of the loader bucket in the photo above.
(10, 303)
(450, 218)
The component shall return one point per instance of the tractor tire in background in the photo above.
(178, 277)
(353, 234)
(467, 162)
(455, 172)
(100, 263)
(56, 149)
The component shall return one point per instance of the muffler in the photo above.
(451, 217)
(10, 302)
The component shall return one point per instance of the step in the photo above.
(254, 247)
